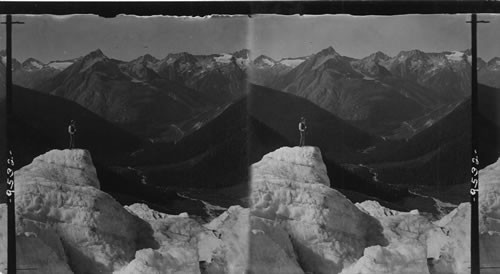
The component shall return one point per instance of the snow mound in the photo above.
(296, 224)
(290, 187)
(231, 253)
(32, 251)
(271, 249)
(376, 210)
(71, 167)
(297, 164)
(417, 245)
(448, 243)
(65, 224)
(311, 228)
(174, 242)
(489, 199)
(489, 215)
(57, 197)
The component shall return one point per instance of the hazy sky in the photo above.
(127, 37)
(488, 37)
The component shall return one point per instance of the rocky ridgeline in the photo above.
(296, 224)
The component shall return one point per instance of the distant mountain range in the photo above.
(393, 97)
(379, 94)
(379, 119)
(489, 73)
(162, 99)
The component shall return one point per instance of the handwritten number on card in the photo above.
(10, 175)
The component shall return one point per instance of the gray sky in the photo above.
(488, 37)
(126, 37)
(360, 36)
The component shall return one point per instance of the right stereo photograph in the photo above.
(361, 137)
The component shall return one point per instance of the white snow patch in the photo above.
(268, 62)
(224, 58)
(36, 65)
(60, 65)
(291, 62)
(455, 56)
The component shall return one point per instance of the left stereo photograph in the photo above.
(127, 159)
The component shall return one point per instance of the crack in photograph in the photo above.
(245, 144)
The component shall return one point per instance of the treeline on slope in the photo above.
(219, 153)
(39, 124)
(438, 155)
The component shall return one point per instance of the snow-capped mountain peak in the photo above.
(264, 61)
(145, 59)
(244, 54)
(242, 58)
(32, 64)
(3, 59)
(223, 58)
(292, 62)
(379, 56)
(494, 64)
(96, 54)
(328, 51)
(414, 54)
(92, 58)
(184, 57)
(455, 56)
(494, 61)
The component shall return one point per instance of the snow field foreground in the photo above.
(329, 234)
(66, 224)
(489, 217)
(296, 224)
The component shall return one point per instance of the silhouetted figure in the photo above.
(302, 130)
(72, 132)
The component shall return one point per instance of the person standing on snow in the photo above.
(302, 130)
(72, 132)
